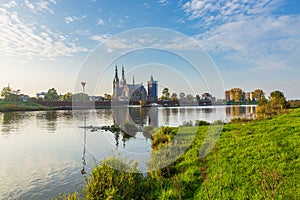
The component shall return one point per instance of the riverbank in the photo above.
(8, 106)
(257, 159)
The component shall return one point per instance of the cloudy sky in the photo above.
(254, 44)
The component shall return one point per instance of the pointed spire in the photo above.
(133, 81)
(116, 79)
(151, 79)
(123, 71)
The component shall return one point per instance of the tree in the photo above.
(181, 96)
(52, 95)
(174, 97)
(6, 93)
(278, 100)
(67, 97)
(258, 94)
(10, 95)
(107, 97)
(80, 97)
(236, 94)
(276, 105)
(189, 98)
(165, 94)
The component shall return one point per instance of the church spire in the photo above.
(151, 79)
(133, 81)
(116, 79)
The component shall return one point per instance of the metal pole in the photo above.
(84, 140)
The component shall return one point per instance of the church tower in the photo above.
(152, 90)
(116, 84)
(123, 80)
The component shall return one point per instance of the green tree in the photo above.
(181, 96)
(107, 97)
(236, 94)
(189, 98)
(80, 97)
(10, 95)
(52, 95)
(174, 97)
(165, 94)
(67, 97)
(258, 94)
(278, 100)
(6, 93)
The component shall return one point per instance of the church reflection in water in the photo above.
(132, 120)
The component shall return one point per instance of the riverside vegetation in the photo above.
(253, 159)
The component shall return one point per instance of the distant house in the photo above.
(249, 96)
(41, 95)
(24, 98)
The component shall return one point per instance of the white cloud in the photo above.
(23, 39)
(70, 19)
(265, 42)
(100, 38)
(10, 4)
(40, 6)
(100, 22)
(163, 2)
(209, 12)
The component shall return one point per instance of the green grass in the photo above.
(6, 106)
(251, 160)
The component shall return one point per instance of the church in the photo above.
(133, 92)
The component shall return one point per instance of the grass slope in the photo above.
(6, 106)
(253, 160)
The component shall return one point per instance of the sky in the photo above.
(249, 44)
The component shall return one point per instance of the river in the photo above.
(41, 152)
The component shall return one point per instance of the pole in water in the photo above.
(84, 140)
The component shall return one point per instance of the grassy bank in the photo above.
(251, 160)
(6, 106)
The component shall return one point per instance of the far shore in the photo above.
(9, 106)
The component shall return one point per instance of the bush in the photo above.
(115, 179)
(201, 123)
(148, 130)
(189, 123)
(130, 128)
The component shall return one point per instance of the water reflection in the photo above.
(240, 111)
(14, 121)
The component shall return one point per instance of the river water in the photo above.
(41, 152)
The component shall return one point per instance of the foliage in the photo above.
(187, 123)
(20, 106)
(80, 97)
(174, 97)
(67, 97)
(258, 95)
(276, 105)
(107, 97)
(52, 95)
(162, 137)
(10, 95)
(201, 123)
(236, 94)
(148, 130)
(165, 94)
(130, 128)
(294, 103)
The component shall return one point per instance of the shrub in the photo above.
(201, 123)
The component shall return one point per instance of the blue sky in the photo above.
(254, 44)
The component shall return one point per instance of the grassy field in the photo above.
(251, 160)
(6, 106)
